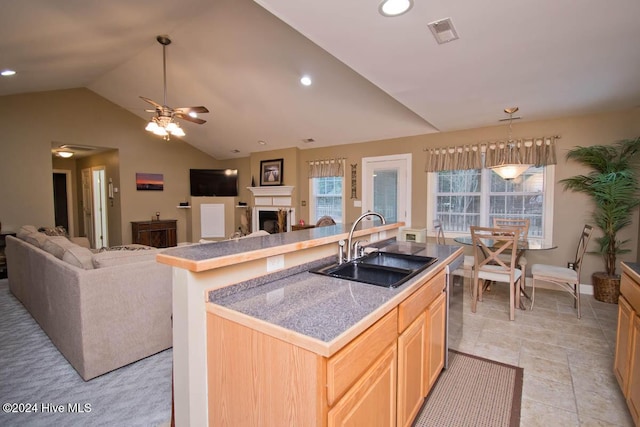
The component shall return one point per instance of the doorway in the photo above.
(63, 200)
(94, 206)
(386, 186)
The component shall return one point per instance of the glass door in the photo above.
(386, 187)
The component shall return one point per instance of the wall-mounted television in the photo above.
(213, 182)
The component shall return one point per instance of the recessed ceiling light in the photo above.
(261, 142)
(395, 7)
(305, 80)
(7, 73)
(193, 114)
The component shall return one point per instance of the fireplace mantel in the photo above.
(276, 190)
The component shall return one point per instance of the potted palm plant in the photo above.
(614, 189)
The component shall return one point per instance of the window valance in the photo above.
(534, 151)
(326, 168)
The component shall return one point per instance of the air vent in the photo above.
(443, 30)
(308, 140)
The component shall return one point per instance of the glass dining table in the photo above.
(523, 246)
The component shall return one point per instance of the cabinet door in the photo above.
(372, 399)
(633, 390)
(411, 365)
(623, 344)
(435, 341)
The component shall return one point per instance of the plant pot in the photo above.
(605, 288)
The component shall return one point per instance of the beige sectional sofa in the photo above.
(101, 310)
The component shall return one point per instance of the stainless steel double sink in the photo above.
(386, 269)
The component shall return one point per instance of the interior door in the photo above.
(386, 185)
(87, 206)
(99, 186)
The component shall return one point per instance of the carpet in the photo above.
(35, 374)
(473, 392)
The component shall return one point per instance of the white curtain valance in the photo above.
(326, 168)
(534, 151)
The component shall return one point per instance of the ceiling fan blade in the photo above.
(154, 103)
(189, 118)
(187, 110)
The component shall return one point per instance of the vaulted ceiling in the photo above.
(374, 77)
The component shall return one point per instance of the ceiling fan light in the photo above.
(151, 126)
(171, 127)
(160, 131)
(178, 132)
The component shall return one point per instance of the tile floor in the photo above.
(568, 362)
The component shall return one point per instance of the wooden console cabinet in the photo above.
(159, 234)
(380, 378)
(627, 358)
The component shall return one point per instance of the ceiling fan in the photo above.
(163, 123)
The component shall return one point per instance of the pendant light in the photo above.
(510, 166)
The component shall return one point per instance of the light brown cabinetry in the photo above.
(372, 399)
(419, 358)
(378, 379)
(411, 366)
(436, 324)
(159, 234)
(627, 358)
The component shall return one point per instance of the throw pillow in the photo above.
(54, 231)
(131, 247)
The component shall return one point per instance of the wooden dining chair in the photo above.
(467, 266)
(488, 245)
(567, 278)
(523, 224)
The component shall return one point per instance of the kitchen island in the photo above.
(264, 313)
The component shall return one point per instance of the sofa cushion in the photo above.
(111, 258)
(37, 239)
(79, 257)
(57, 245)
(25, 230)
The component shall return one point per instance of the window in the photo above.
(327, 198)
(462, 198)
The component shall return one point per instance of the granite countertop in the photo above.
(205, 256)
(322, 307)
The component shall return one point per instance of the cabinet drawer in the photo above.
(631, 291)
(417, 303)
(344, 368)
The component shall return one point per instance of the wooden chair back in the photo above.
(582, 247)
(489, 243)
(437, 227)
(522, 223)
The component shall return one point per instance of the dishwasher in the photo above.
(455, 298)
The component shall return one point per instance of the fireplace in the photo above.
(268, 221)
(267, 202)
(266, 218)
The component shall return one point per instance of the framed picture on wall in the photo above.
(149, 181)
(271, 172)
